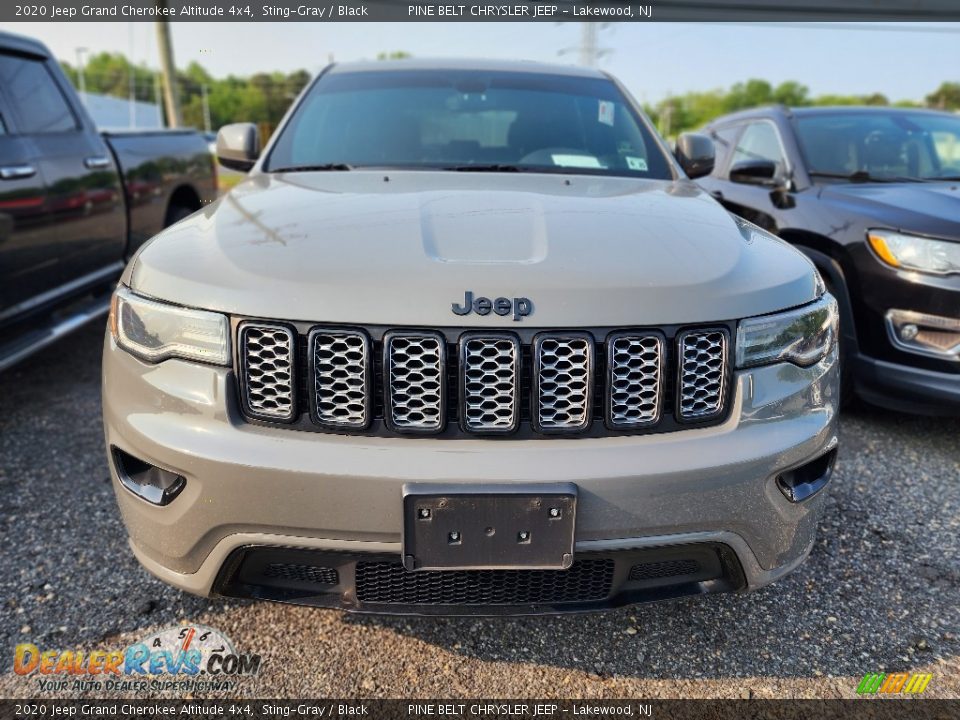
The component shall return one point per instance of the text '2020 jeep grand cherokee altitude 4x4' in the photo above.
(467, 340)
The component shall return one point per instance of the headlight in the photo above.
(803, 336)
(155, 331)
(909, 252)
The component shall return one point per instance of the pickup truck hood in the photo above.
(400, 248)
(929, 208)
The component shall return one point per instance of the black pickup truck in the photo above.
(872, 196)
(75, 203)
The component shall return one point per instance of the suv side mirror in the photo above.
(696, 154)
(238, 146)
(754, 172)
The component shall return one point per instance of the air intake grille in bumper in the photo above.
(490, 372)
(636, 377)
(267, 370)
(563, 380)
(341, 377)
(302, 573)
(703, 356)
(663, 569)
(468, 383)
(388, 582)
(414, 365)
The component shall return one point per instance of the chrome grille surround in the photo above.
(635, 374)
(414, 368)
(267, 362)
(342, 372)
(701, 373)
(489, 383)
(562, 382)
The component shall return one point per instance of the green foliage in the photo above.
(691, 110)
(394, 55)
(262, 98)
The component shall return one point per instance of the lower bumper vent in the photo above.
(302, 573)
(390, 583)
(667, 568)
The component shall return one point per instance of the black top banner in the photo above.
(473, 10)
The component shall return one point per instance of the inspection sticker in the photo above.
(605, 113)
(635, 163)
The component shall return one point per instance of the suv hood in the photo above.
(400, 248)
(929, 208)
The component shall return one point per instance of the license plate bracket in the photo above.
(506, 527)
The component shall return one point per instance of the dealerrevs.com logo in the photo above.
(183, 658)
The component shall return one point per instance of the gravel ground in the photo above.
(880, 592)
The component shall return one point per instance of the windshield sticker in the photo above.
(635, 163)
(580, 161)
(605, 113)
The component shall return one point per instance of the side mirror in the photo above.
(696, 154)
(754, 172)
(238, 146)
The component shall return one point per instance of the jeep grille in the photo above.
(702, 374)
(267, 369)
(463, 383)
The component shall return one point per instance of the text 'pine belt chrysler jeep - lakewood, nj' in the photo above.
(468, 340)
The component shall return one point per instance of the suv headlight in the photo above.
(155, 331)
(802, 336)
(909, 252)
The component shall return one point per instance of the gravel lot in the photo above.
(880, 592)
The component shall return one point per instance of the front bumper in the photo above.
(705, 489)
(906, 388)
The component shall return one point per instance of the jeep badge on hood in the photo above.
(520, 306)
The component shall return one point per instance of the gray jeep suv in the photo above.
(468, 340)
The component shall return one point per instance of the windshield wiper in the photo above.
(862, 176)
(490, 167)
(313, 168)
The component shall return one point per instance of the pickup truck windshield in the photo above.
(881, 146)
(468, 120)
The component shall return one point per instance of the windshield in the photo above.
(881, 146)
(468, 120)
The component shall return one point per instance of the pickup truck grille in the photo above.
(453, 383)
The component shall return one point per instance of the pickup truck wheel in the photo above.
(175, 214)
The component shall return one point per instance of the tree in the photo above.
(394, 55)
(792, 94)
(945, 97)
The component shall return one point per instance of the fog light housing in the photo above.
(155, 485)
(923, 334)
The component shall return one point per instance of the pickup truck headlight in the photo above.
(909, 252)
(155, 331)
(802, 336)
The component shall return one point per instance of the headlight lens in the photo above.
(155, 331)
(909, 252)
(803, 336)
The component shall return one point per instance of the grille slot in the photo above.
(563, 382)
(389, 583)
(635, 367)
(702, 373)
(267, 370)
(342, 377)
(302, 573)
(489, 387)
(414, 365)
(663, 569)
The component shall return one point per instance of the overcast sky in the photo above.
(653, 59)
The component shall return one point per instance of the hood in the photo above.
(402, 248)
(929, 208)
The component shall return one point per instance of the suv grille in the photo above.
(389, 582)
(454, 383)
(702, 374)
(267, 370)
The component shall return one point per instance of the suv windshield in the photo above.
(881, 146)
(468, 120)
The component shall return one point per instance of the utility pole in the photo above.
(588, 52)
(171, 97)
(81, 80)
(206, 108)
